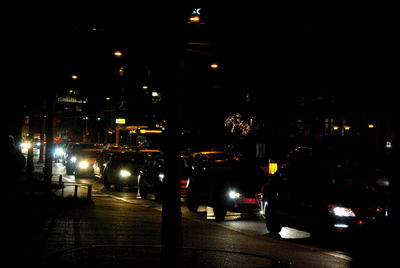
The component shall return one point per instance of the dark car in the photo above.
(225, 186)
(152, 176)
(83, 161)
(104, 158)
(324, 193)
(71, 152)
(123, 170)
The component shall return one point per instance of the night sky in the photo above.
(349, 52)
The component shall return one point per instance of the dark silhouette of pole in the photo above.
(42, 135)
(171, 235)
(48, 163)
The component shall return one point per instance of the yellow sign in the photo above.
(120, 121)
(144, 131)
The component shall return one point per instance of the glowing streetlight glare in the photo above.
(214, 66)
(108, 98)
(194, 19)
(118, 54)
(74, 76)
(371, 126)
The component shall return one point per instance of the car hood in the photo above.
(355, 198)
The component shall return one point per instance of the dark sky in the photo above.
(347, 50)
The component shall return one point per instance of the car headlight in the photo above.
(124, 173)
(59, 152)
(73, 159)
(234, 195)
(25, 145)
(161, 176)
(83, 164)
(341, 211)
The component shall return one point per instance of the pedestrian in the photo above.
(14, 162)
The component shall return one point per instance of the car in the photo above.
(83, 161)
(104, 158)
(152, 175)
(325, 193)
(229, 185)
(71, 153)
(123, 170)
(59, 152)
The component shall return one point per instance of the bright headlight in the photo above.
(73, 159)
(59, 152)
(83, 164)
(25, 145)
(124, 173)
(161, 176)
(234, 195)
(341, 211)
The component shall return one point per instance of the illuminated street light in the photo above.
(194, 19)
(214, 66)
(371, 126)
(118, 54)
(74, 77)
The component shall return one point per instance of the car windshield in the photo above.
(335, 172)
(217, 156)
(238, 171)
(130, 158)
(89, 154)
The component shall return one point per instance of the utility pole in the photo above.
(171, 235)
(48, 163)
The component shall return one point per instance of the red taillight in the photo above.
(183, 185)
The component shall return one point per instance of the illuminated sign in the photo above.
(144, 131)
(272, 168)
(120, 121)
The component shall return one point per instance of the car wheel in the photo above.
(272, 225)
(141, 191)
(192, 203)
(219, 212)
(118, 187)
(105, 182)
(157, 197)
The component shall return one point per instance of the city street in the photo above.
(120, 218)
(283, 112)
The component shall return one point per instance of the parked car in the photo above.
(229, 185)
(324, 193)
(123, 170)
(152, 176)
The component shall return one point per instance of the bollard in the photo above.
(89, 193)
(62, 189)
(60, 179)
(76, 191)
